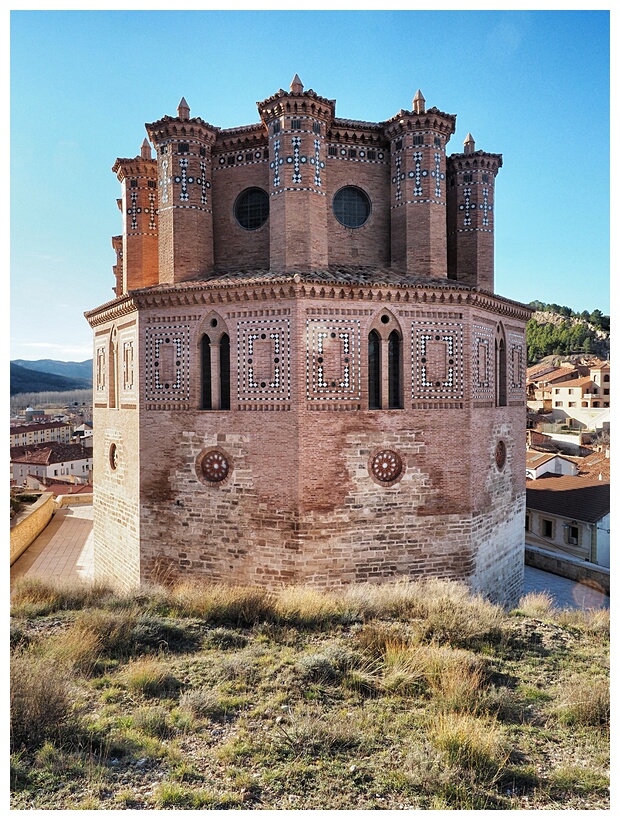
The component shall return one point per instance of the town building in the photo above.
(53, 460)
(24, 435)
(570, 516)
(305, 374)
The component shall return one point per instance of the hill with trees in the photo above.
(26, 380)
(559, 330)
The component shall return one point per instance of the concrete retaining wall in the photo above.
(29, 525)
(565, 567)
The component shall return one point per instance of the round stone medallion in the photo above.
(500, 454)
(386, 466)
(215, 466)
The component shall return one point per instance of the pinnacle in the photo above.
(183, 109)
(419, 103)
(296, 85)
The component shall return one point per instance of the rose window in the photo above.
(386, 466)
(215, 466)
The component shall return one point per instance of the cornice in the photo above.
(296, 102)
(174, 127)
(432, 119)
(478, 159)
(296, 286)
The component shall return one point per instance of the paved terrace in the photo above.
(64, 550)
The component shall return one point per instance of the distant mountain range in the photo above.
(49, 375)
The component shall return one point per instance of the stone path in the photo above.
(65, 550)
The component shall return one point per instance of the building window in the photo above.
(372, 154)
(528, 522)
(296, 124)
(572, 404)
(230, 160)
(352, 153)
(316, 127)
(351, 207)
(547, 528)
(205, 361)
(500, 373)
(151, 183)
(225, 372)
(485, 177)
(252, 208)
(276, 127)
(203, 152)
(374, 371)
(572, 534)
(394, 360)
(606, 377)
(418, 139)
(398, 145)
(183, 148)
(215, 359)
(437, 142)
(332, 151)
(570, 391)
(558, 404)
(606, 391)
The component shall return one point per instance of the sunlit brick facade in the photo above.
(305, 375)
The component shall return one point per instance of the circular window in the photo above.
(214, 466)
(252, 208)
(500, 454)
(113, 456)
(351, 207)
(386, 466)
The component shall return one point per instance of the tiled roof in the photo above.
(559, 373)
(579, 498)
(594, 465)
(582, 382)
(43, 425)
(52, 452)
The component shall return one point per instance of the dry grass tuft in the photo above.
(221, 604)
(35, 596)
(584, 701)
(40, 700)
(149, 676)
(306, 606)
(471, 742)
(537, 605)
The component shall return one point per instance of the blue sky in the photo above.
(533, 86)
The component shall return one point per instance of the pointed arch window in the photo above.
(394, 370)
(385, 364)
(205, 370)
(214, 354)
(225, 372)
(374, 370)
(501, 376)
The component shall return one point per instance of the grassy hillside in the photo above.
(401, 696)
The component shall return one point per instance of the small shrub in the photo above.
(329, 666)
(223, 638)
(202, 703)
(455, 678)
(78, 648)
(40, 700)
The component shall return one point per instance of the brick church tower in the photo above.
(305, 374)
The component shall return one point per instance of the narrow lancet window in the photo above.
(225, 372)
(205, 359)
(394, 369)
(374, 371)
